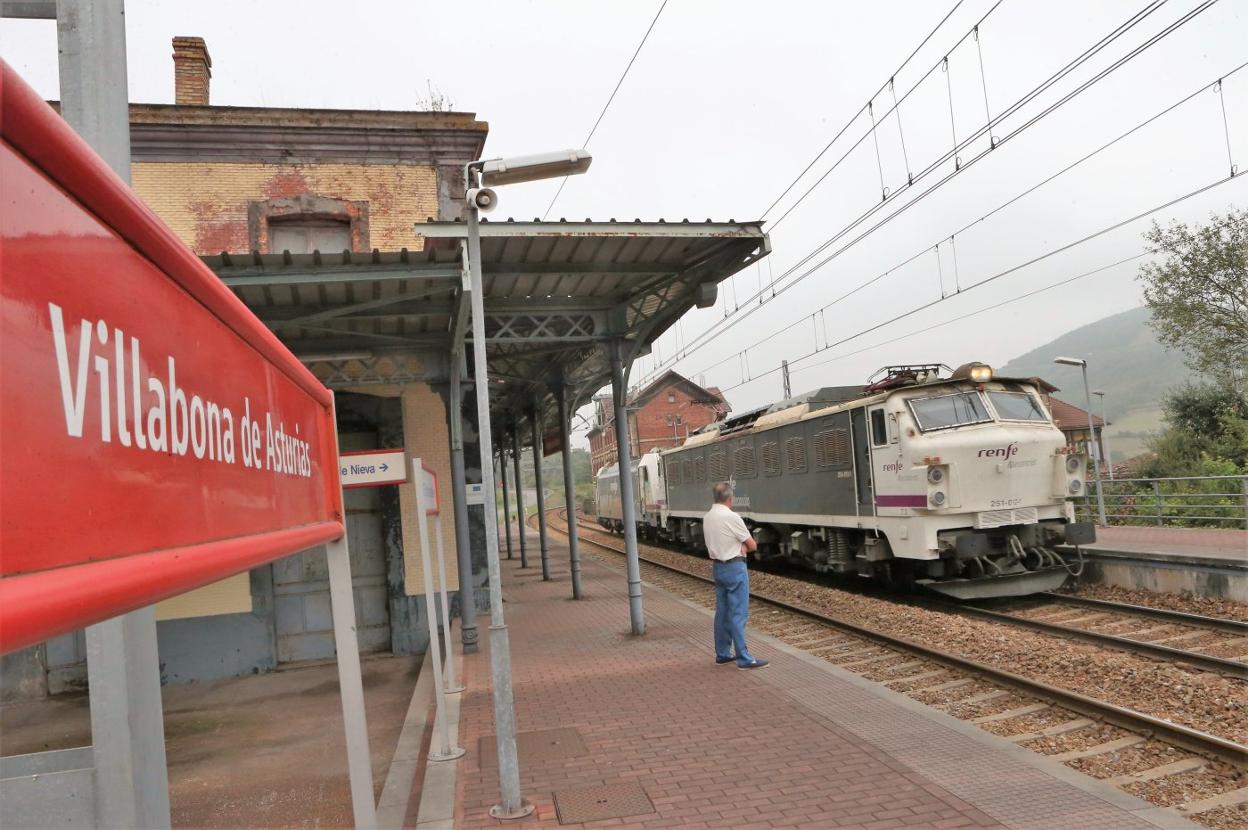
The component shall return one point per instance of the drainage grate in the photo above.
(598, 803)
(536, 746)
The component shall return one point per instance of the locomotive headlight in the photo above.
(1075, 487)
(981, 373)
(935, 475)
(937, 498)
(1072, 464)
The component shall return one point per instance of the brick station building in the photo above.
(660, 415)
(264, 180)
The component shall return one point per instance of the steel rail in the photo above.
(1185, 737)
(1182, 617)
(1177, 655)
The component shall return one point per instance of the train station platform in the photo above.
(1224, 547)
(624, 731)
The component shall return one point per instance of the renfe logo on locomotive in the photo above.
(1008, 451)
(175, 423)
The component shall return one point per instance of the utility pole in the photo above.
(784, 373)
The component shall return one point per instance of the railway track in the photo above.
(1164, 614)
(1232, 667)
(1140, 723)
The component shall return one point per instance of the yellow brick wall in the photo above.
(231, 595)
(427, 437)
(206, 203)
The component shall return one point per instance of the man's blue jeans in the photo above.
(732, 609)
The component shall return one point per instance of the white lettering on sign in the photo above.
(372, 468)
(177, 421)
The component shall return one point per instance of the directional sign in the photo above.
(154, 435)
(372, 468)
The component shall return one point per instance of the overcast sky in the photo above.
(729, 100)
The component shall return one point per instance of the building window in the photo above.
(303, 236)
(305, 223)
(671, 397)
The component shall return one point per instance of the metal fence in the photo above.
(1190, 501)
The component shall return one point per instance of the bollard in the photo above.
(426, 492)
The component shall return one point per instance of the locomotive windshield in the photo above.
(1017, 406)
(945, 411)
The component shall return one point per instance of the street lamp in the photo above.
(1096, 457)
(478, 175)
(1109, 457)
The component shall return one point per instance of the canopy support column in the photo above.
(628, 503)
(502, 474)
(543, 544)
(459, 500)
(515, 453)
(569, 489)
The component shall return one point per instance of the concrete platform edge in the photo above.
(406, 761)
(1157, 816)
(437, 792)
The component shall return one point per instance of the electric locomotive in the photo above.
(958, 484)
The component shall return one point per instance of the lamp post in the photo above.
(479, 197)
(1096, 456)
(1109, 458)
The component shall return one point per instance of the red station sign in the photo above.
(154, 435)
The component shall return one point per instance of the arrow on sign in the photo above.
(385, 467)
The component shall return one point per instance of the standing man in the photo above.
(728, 541)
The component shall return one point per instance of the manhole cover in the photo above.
(539, 745)
(598, 803)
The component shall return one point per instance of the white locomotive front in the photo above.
(959, 484)
(971, 484)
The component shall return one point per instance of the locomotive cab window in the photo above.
(1017, 406)
(946, 411)
(879, 429)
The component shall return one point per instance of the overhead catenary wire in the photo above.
(610, 99)
(718, 328)
(992, 307)
(1047, 180)
(886, 85)
(1001, 274)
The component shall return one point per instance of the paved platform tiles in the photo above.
(797, 744)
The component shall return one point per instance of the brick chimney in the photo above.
(192, 69)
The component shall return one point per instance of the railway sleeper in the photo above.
(1163, 771)
(1057, 729)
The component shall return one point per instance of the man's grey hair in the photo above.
(722, 491)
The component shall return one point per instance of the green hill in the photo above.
(1125, 360)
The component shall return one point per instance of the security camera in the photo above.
(482, 198)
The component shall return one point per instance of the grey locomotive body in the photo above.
(959, 484)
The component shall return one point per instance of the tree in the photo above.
(1206, 433)
(1199, 293)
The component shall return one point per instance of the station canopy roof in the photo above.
(556, 294)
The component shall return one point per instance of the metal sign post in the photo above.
(426, 506)
(452, 687)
